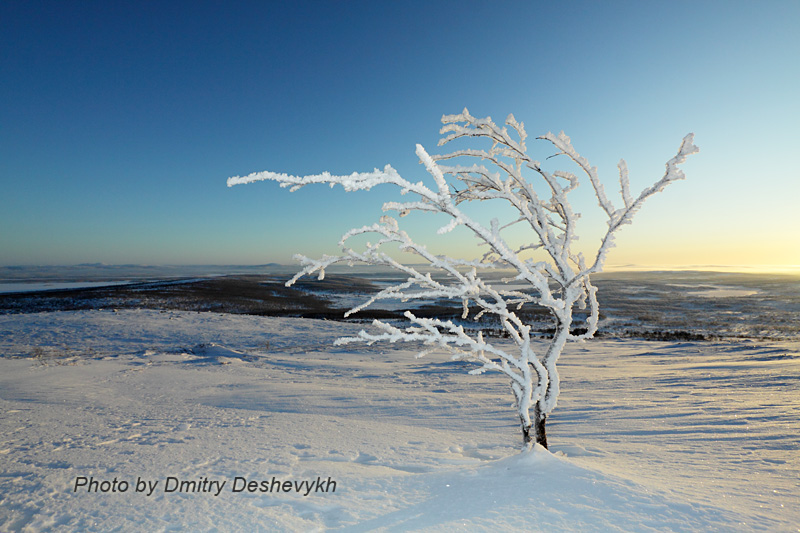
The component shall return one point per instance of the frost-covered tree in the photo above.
(552, 274)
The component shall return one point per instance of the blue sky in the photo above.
(121, 121)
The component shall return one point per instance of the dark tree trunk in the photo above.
(538, 420)
(535, 433)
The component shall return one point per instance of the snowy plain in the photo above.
(648, 436)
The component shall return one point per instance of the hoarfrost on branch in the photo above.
(560, 282)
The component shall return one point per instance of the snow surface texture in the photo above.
(652, 436)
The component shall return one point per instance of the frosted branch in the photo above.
(559, 283)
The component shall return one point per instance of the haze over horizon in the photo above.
(89, 271)
(123, 121)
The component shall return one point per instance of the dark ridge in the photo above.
(652, 310)
(686, 336)
(258, 295)
(240, 294)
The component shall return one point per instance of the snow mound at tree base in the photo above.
(539, 491)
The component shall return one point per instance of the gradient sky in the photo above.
(120, 121)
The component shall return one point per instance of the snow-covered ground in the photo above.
(648, 436)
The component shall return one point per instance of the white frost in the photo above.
(559, 284)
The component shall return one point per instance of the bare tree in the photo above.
(554, 277)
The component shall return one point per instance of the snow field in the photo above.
(647, 436)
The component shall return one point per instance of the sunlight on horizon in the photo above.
(742, 269)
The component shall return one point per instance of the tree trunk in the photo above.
(535, 433)
(538, 421)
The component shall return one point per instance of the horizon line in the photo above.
(744, 269)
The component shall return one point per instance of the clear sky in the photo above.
(120, 121)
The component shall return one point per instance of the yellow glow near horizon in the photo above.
(744, 269)
(710, 250)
